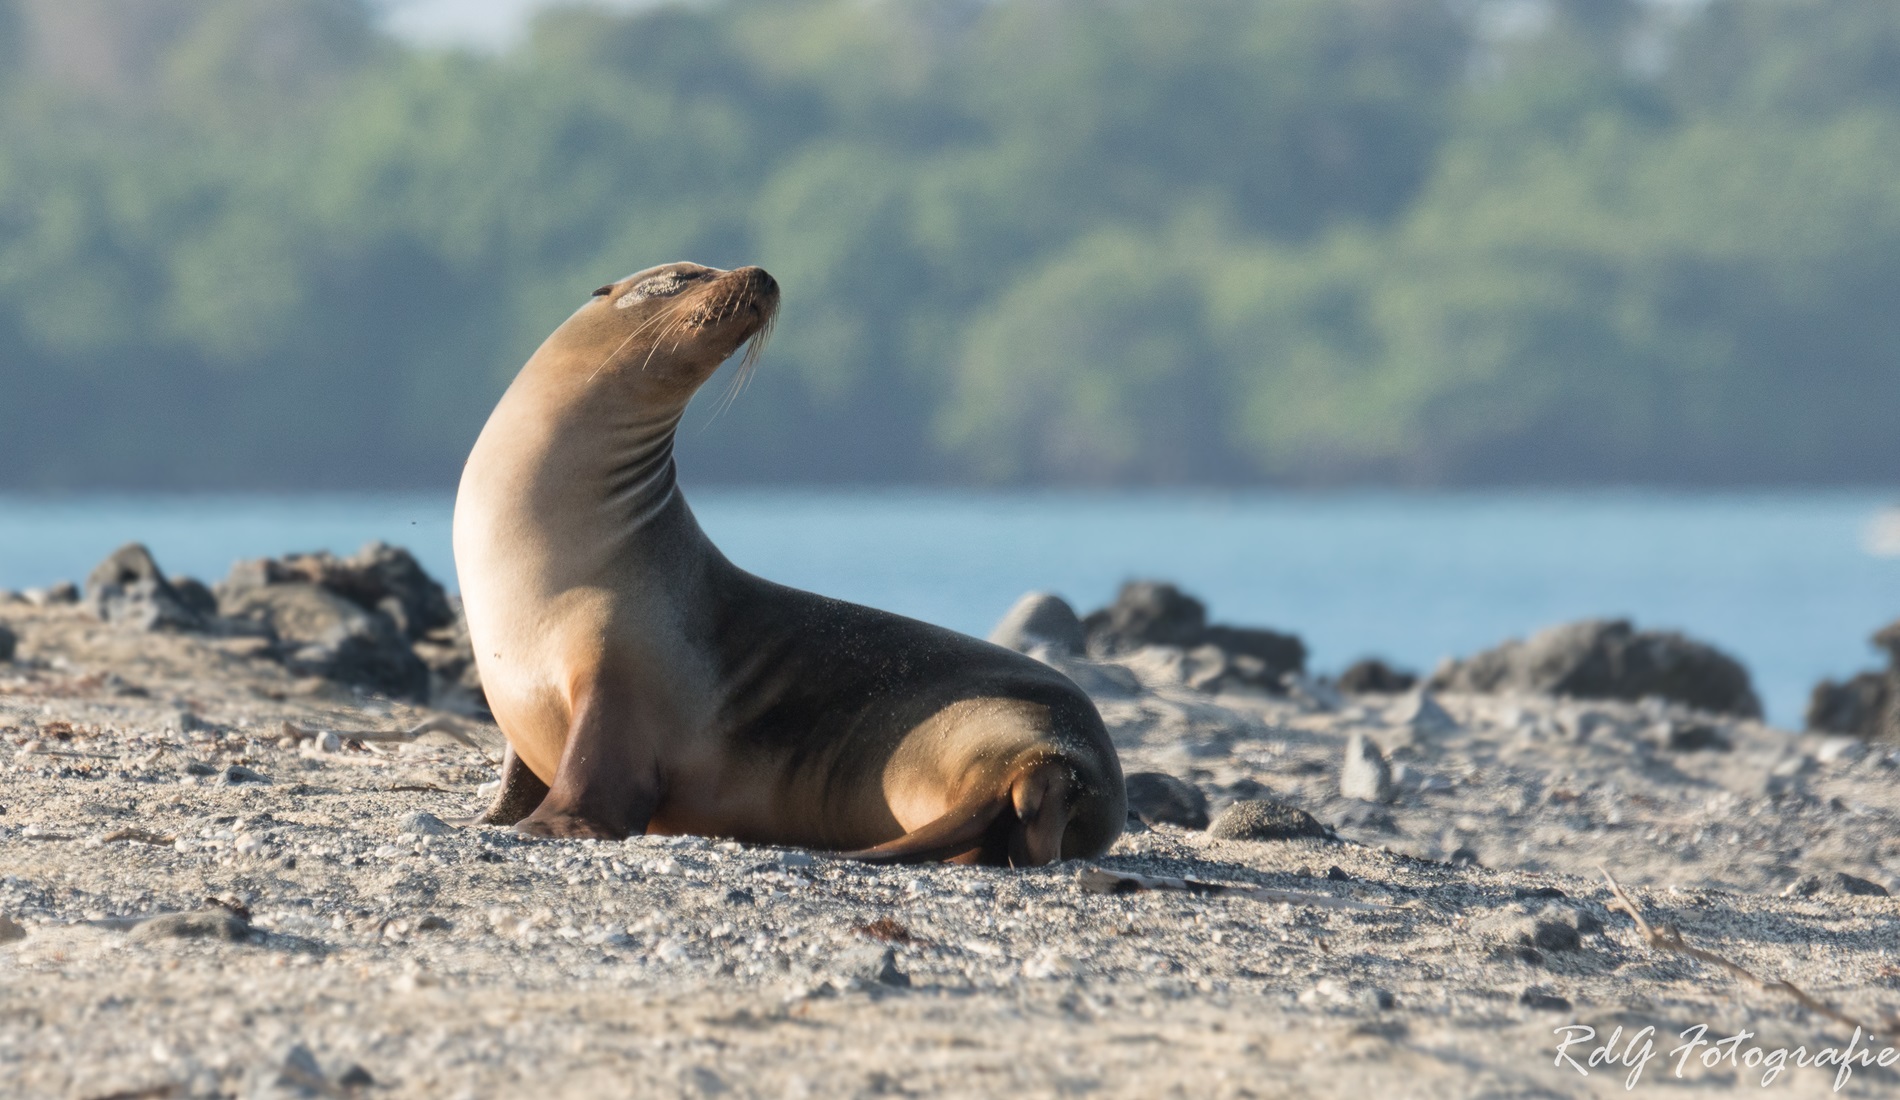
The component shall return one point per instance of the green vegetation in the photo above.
(253, 243)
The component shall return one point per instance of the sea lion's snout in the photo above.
(758, 281)
(756, 292)
(740, 302)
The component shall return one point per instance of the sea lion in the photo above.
(646, 684)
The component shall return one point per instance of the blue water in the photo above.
(1781, 581)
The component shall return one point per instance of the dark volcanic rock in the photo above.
(129, 590)
(1868, 704)
(379, 577)
(1155, 613)
(1888, 638)
(1863, 706)
(354, 620)
(195, 595)
(9, 642)
(455, 683)
(1608, 659)
(319, 633)
(1374, 675)
(1145, 613)
(1160, 799)
(1266, 819)
(1695, 737)
(1041, 620)
(1280, 653)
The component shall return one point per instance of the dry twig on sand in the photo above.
(1669, 938)
(438, 724)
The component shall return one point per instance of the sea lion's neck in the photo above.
(611, 445)
(640, 478)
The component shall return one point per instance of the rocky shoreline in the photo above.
(226, 870)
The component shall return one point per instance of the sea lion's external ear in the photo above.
(604, 291)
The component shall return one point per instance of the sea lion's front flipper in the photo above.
(521, 793)
(602, 788)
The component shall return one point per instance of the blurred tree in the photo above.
(255, 243)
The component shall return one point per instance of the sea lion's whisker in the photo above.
(631, 336)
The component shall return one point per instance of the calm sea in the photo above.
(1785, 582)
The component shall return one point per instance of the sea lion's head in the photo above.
(668, 328)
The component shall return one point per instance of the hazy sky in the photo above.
(488, 24)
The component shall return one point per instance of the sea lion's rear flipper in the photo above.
(1020, 824)
(961, 830)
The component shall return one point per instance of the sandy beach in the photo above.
(210, 887)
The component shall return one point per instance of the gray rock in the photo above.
(455, 682)
(1543, 1000)
(53, 595)
(378, 578)
(1155, 613)
(871, 965)
(11, 930)
(1694, 737)
(1841, 750)
(196, 596)
(9, 643)
(1835, 882)
(319, 633)
(128, 589)
(238, 773)
(1866, 705)
(1421, 713)
(1276, 654)
(1609, 659)
(420, 823)
(1266, 819)
(212, 923)
(1160, 799)
(1373, 676)
(1041, 620)
(1364, 774)
(1145, 613)
(1554, 935)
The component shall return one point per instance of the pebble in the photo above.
(64, 592)
(1422, 712)
(215, 923)
(1694, 737)
(1157, 798)
(1265, 819)
(872, 965)
(1049, 964)
(1555, 935)
(421, 823)
(1364, 774)
(1841, 750)
(1836, 882)
(1543, 1000)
